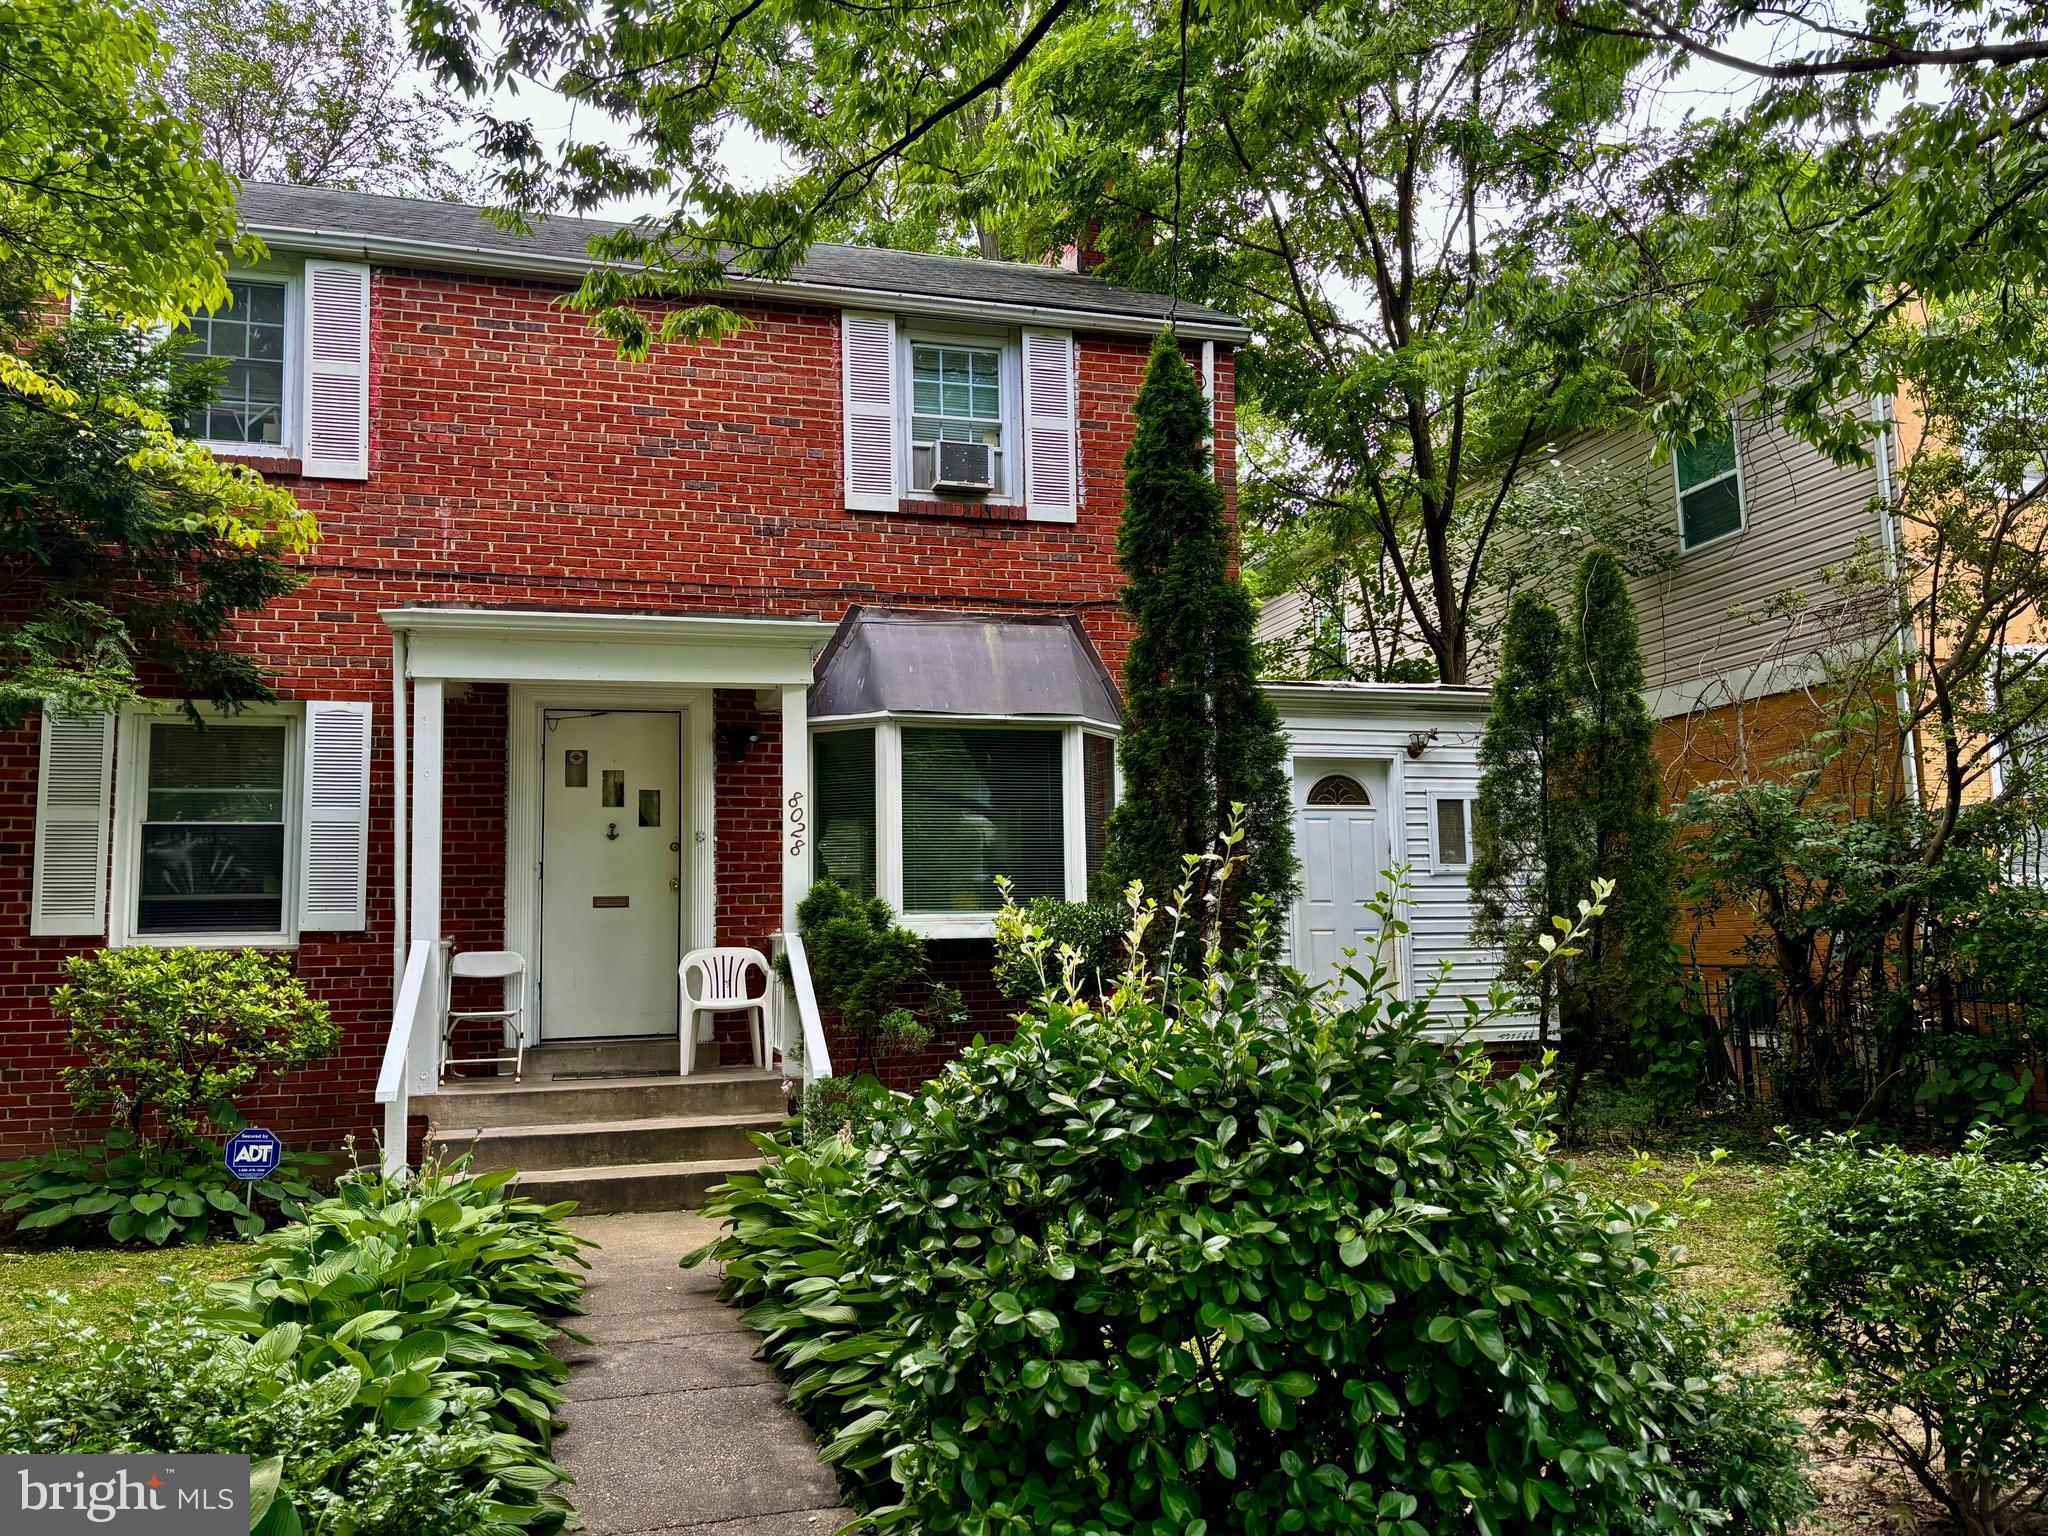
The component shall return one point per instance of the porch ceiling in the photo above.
(683, 650)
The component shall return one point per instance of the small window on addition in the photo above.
(1453, 833)
(1709, 489)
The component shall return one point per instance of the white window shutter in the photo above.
(74, 787)
(335, 840)
(337, 370)
(867, 347)
(1050, 432)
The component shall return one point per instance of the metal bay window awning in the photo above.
(892, 661)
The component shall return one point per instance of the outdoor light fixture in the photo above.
(737, 738)
(1418, 742)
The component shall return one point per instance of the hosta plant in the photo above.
(130, 1193)
(441, 1290)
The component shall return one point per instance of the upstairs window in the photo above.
(249, 332)
(957, 396)
(1709, 488)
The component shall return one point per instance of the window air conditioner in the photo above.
(964, 467)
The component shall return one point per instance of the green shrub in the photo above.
(168, 1193)
(387, 1363)
(171, 1037)
(1094, 931)
(176, 1385)
(1918, 1286)
(862, 964)
(1215, 1257)
(1735, 1436)
(842, 1106)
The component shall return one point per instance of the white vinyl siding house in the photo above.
(1414, 752)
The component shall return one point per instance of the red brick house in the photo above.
(577, 604)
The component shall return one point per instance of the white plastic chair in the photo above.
(489, 964)
(721, 977)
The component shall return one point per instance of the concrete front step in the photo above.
(539, 1102)
(592, 1144)
(607, 1191)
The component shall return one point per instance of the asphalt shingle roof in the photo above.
(458, 230)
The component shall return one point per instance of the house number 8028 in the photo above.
(798, 829)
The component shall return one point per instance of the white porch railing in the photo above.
(796, 1004)
(411, 1065)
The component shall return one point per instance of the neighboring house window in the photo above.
(250, 333)
(1709, 488)
(958, 395)
(1452, 822)
(211, 838)
(927, 814)
(843, 808)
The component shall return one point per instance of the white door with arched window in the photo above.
(1341, 823)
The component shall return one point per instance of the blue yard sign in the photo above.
(254, 1153)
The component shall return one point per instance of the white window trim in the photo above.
(1680, 490)
(1009, 385)
(888, 731)
(1438, 864)
(131, 795)
(294, 359)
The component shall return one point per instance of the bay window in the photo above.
(928, 813)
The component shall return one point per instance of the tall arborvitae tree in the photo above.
(1527, 863)
(1612, 779)
(1200, 735)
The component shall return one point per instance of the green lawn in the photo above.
(103, 1284)
(1725, 1230)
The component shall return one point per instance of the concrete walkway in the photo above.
(674, 1428)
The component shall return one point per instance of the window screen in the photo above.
(843, 809)
(956, 395)
(1453, 833)
(1709, 489)
(1098, 780)
(249, 334)
(977, 804)
(213, 830)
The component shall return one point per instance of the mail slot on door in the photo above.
(611, 901)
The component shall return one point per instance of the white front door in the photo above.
(610, 872)
(1340, 836)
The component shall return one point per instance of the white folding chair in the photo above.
(488, 964)
(720, 979)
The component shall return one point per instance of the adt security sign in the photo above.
(254, 1153)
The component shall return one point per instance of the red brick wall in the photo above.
(516, 460)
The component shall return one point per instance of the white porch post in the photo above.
(423, 1065)
(796, 799)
